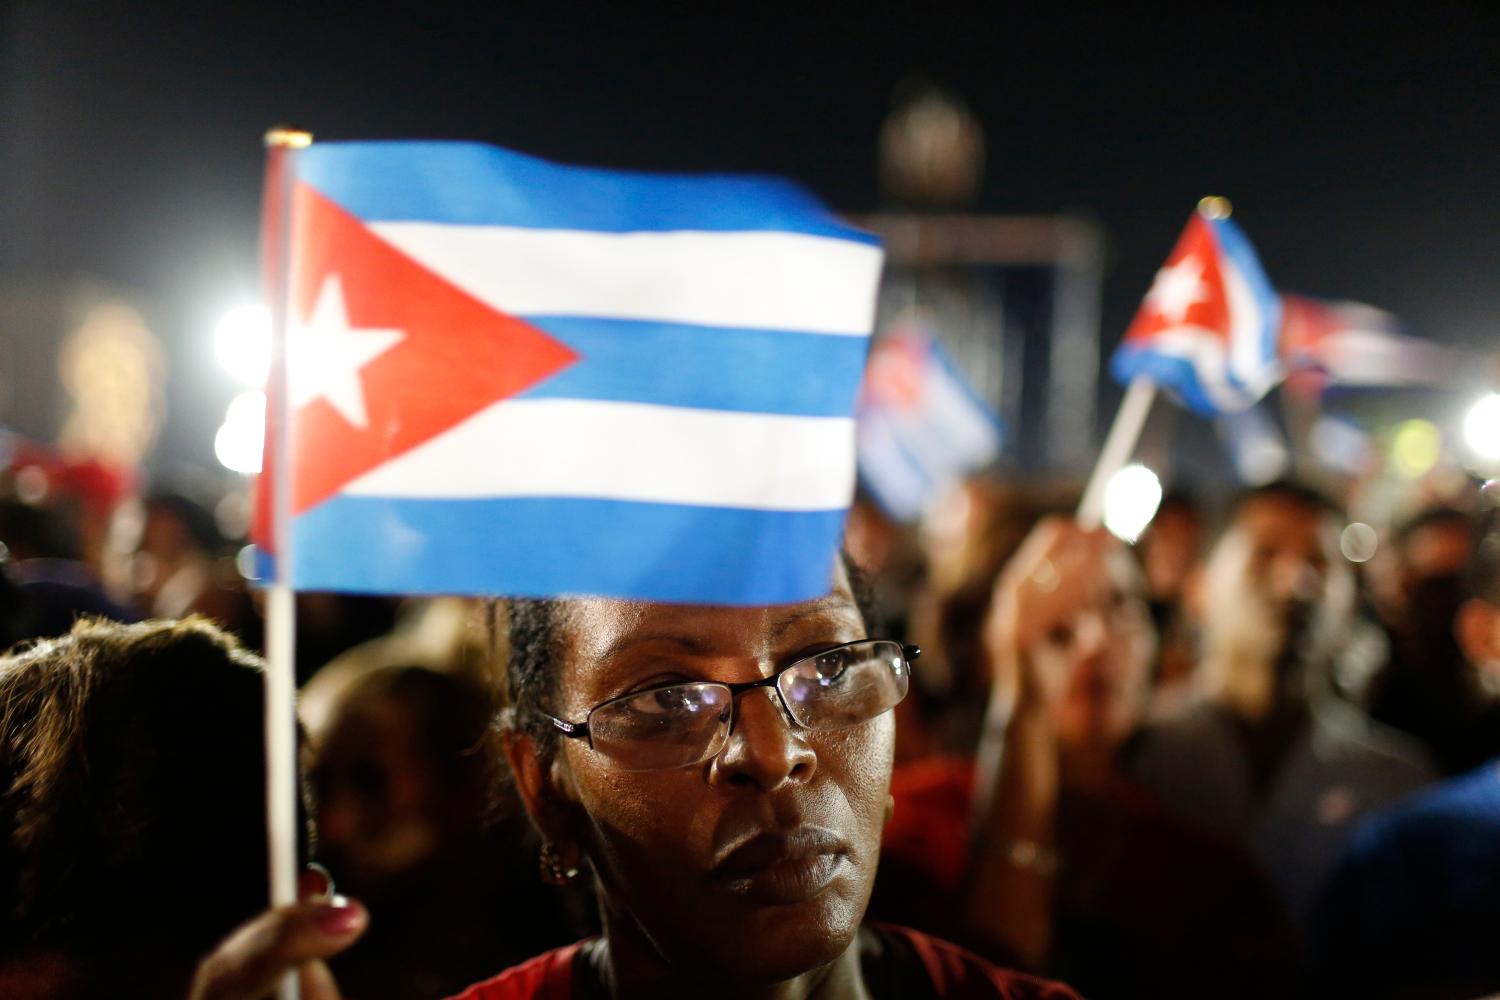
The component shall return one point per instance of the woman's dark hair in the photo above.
(132, 791)
(535, 628)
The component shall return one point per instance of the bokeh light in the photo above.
(1482, 427)
(1359, 542)
(1130, 501)
(241, 437)
(1415, 448)
(242, 343)
(245, 561)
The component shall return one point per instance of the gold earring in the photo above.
(553, 869)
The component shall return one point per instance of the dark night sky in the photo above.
(1361, 151)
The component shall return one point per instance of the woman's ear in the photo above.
(546, 788)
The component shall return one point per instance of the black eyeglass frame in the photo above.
(580, 730)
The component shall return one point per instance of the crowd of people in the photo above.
(1225, 761)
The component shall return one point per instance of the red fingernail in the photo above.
(314, 882)
(339, 917)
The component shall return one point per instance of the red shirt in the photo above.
(910, 964)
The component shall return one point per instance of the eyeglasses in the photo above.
(681, 724)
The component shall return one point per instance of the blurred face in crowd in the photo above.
(1274, 574)
(1105, 650)
(755, 864)
(1438, 549)
(1169, 551)
(374, 794)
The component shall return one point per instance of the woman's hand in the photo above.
(1058, 571)
(249, 963)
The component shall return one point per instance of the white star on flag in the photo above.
(1178, 288)
(326, 354)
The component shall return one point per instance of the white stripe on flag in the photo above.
(1202, 348)
(948, 428)
(758, 280)
(1248, 352)
(1377, 357)
(629, 451)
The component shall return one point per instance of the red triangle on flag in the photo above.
(1188, 290)
(426, 355)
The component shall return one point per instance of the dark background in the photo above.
(1361, 150)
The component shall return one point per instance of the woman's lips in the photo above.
(783, 868)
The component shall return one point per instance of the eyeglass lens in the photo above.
(686, 723)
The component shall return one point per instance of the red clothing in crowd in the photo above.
(898, 963)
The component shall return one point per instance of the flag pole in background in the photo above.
(281, 628)
(1124, 433)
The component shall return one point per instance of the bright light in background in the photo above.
(244, 561)
(242, 343)
(1359, 542)
(1130, 501)
(1482, 427)
(241, 438)
(1416, 448)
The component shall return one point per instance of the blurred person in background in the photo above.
(1267, 753)
(51, 585)
(412, 818)
(1170, 553)
(1429, 688)
(132, 818)
(1414, 910)
(179, 567)
(967, 539)
(1045, 852)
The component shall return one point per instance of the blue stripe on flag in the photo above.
(893, 475)
(668, 552)
(961, 383)
(1237, 248)
(713, 368)
(467, 183)
(1177, 374)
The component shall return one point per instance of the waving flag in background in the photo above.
(512, 377)
(1207, 329)
(1351, 344)
(921, 426)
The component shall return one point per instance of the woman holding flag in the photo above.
(712, 741)
(722, 774)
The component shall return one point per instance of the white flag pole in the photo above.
(1124, 433)
(281, 627)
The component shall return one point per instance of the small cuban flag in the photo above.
(921, 425)
(1327, 344)
(1207, 329)
(511, 377)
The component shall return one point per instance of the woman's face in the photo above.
(1106, 651)
(757, 863)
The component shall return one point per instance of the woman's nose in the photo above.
(766, 749)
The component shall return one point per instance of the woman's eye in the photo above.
(831, 667)
(673, 698)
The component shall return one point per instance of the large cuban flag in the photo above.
(1207, 329)
(511, 377)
